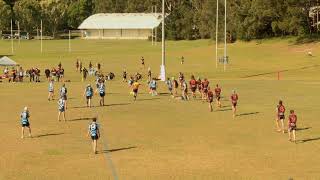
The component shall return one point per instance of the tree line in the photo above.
(187, 19)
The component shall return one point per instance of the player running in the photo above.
(135, 89)
(62, 109)
(88, 93)
(184, 88)
(217, 91)
(280, 116)
(51, 90)
(169, 85)
(63, 93)
(205, 85)
(102, 92)
(210, 99)
(234, 102)
(199, 85)
(153, 87)
(142, 62)
(193, 86)
(175, 85)
(25, 115)
(124, 76)
(292, 126)
(94, 132)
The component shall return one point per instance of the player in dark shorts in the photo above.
(280, 116)
(193, 86)
(199, 85)
(135, 89)
(124, 76)
(63, 94)
(182, 60)
(88, 93)
(51, 90)
(292, 126)
(234, 101)
(175, 85)
(142, 62)
(169, 85)
(181, 78)
(217, 92)
(102, 92)
(205, 85)
(25, 115)
(94, 133)
(210, 99)
(62, 109)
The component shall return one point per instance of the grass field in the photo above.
(159, 137)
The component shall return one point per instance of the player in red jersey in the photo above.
(292, 126)
(199, 85)
(217, 91)
(234, 101)
(193, 86)
(210, 99)
(205, 85)
(280, 116)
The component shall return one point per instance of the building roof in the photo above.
(5, 61)
(122, 21)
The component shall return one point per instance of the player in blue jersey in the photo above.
(94, 133)
(102, 92)
(63, 94)
(153, 87)
(51, 90)
(62, 108)
(88, 93)
(170, 86)
(25, 115)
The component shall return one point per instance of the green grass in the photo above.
(170, 139)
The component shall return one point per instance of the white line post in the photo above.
(156, 31)
(69, 41)
(11, 34)
(41, 35)
(163, 69)
(217, 27)
(225, 35)
(19, 31)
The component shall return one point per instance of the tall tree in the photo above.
(5, 12)
(28, 13)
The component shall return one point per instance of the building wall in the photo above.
(117, 34)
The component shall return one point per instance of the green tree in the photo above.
(5, 16)
(28, 13)
(55, 16)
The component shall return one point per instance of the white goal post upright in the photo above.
(225, 58)
(162, 67)
(225, 36)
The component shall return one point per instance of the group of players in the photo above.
(196, 85)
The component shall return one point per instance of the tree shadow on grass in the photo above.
(118, 149)
(48, 134)
(81, 119)
(248, 114)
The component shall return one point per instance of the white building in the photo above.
(120, 25)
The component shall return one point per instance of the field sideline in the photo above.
(159, 137)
